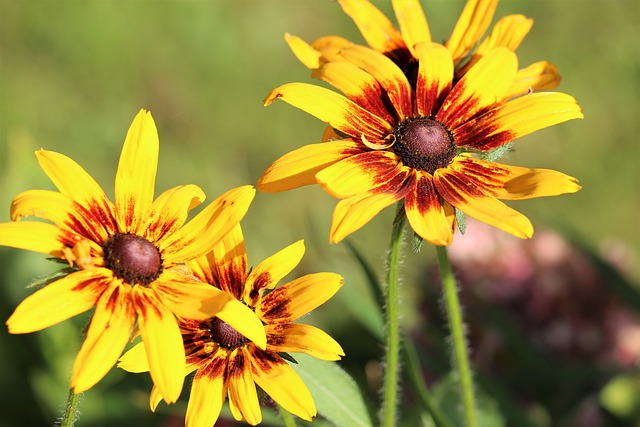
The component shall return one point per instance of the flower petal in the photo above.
(60, 300)
(353, 213)
(206, 229)
(208, 393)
(435, 74)
(330, 47)
(163, 342)
(37, 237)
(485, 84)
(170, 210)
(536, 77)
(135, 360)
(107, 337)
(269, 272)
(386, 72)
(517, 118)
(368, 172)
(230, 262)
(472, 199)
(305, 53)
(333, 108)
(508, 32)
(242, 389)
(299, 167)
(298, 338)
(298, 297)
(425, 212)
(282, 384)
(473, 22)
(136, 176)
(413, 24)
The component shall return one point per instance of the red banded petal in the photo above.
(37, 237)
(472, 24)
(484, 85)
(230, 261)
(375, 27)
(298, 338)
(206, 229)
(333, 108)
(299, 167)
(170, 211)
(536, 77)
(425, 212)
(136, 175)
(386, 72)
(298, 297)
(60, 300)
(473, 200)
(368, 172)
(107, 337)
(353, 213)
(135, 359)
(269, 272)
(413, 24)
(163, 342)
(303, 51)
(356, 84)
(516, 118)
(282, 384)
(435, 74)
(208, 393)
(242, 389)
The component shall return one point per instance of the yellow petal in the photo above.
(136, 176)
(306, 54)
(536, 77)
(435, 74)
(516, 118)
(37, 237)
(368, 172)
(298, 338)
(333, 108)
(473, 22)
(155, 398)
(282, 384)
(353, 213)
(205, 401)
(135, 359)
(170, 210)
(460, 192)
(60, 300)
(425, 212)
(376, 28)
(484, 85)
(330, 47)
(298, 297)
(412, 22)
(299, 167)
(244, 320)
(163, 342)
(206, 229)
(508, 32)
(242, 389)
(107, 337)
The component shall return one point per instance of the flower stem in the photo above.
(71, 410)
(460, 351)
(287, 418)
(392, 330)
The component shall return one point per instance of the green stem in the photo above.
(460, 351)
(392, 330)
(71, 410)
(287, 418)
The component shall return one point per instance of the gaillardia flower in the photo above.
(227, 363)
(423, 145)
(400, 45)
(127, 257)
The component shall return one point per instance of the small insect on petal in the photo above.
(80, 253)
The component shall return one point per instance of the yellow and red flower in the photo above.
(423, 143)
(127, 257)
(227, 363)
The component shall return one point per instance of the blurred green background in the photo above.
(73, 75)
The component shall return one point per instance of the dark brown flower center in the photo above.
(423, 143)
(225, 335)
(133, 258)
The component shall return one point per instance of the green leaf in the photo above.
(460, 219)
(336, 394)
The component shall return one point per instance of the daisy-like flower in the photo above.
(400, 45)
(424, 145)
(227, 363)
(127, 256)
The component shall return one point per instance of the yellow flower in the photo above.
(423, 145)
(128, 256)
(226, 363)
(400, 45)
